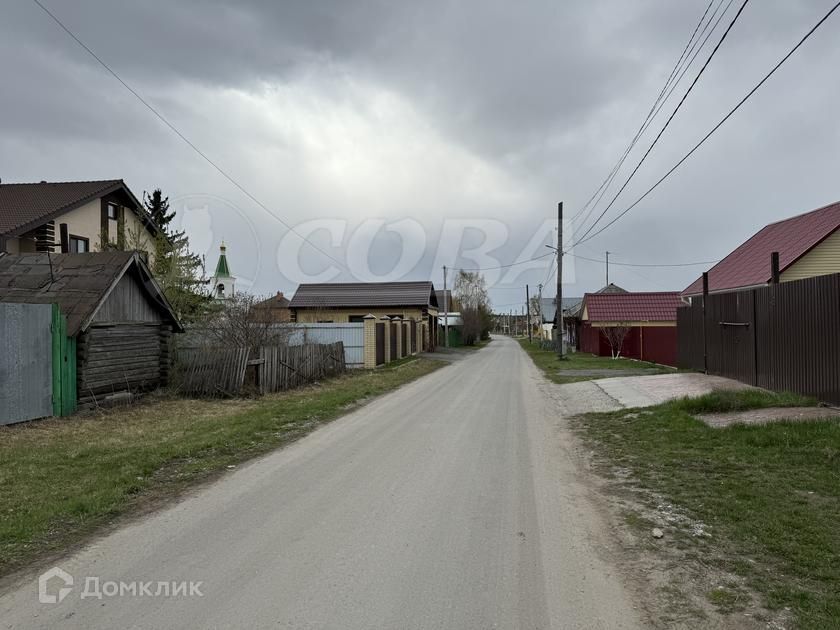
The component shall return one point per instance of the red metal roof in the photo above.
(749, 264)
(660, 306)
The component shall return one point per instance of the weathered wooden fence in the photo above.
(783, 336)
(286, 367)
(206, 371)
(214, 372)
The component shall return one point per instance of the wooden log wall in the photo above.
(121, 357)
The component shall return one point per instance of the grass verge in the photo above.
(769, 495)
(63, 478)
(552, 366)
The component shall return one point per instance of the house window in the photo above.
(356, 319)
(113, 212)
(79, 245)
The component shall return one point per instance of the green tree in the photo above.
(157, 206)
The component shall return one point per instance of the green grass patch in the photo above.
(62, 478)
(770, 494)
(552, 365)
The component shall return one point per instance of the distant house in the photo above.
(351, 301)
(808, 246)
(453, 321)
(115, 312)
(651, 319)
(572, 315)
(452, 303)
(274, 309)
(548, 311)
(73, 217)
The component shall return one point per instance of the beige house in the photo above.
(807, 245)
(73, 217)
(351, 302)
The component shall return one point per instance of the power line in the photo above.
(605, 184)
(521, 262)
(624, 264)
(186, 140)
(670, 118)
(718, 125)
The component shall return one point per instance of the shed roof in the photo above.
(26, 206)
(78, 283)
(357, 294)
(658, 306)
(749, 264)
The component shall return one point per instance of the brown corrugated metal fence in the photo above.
(782, 337)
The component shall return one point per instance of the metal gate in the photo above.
(26, 373)
(393, 333)
(380, 343)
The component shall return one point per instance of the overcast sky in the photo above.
(401, 135)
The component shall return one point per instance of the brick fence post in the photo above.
(386, 321)
(398, 351)
(370, 341)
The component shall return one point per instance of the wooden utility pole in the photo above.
(528, 306)
(558, 312)
(445, 310)
(608, 270)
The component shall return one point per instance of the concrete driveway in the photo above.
(608, 394)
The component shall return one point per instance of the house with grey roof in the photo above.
(350, 302)
(117, 318)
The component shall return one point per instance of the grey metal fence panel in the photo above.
(25, 362)
(351, 335)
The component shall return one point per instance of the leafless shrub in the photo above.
(615, 337)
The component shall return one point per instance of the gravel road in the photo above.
(454, 502)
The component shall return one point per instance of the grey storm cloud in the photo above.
(427, 111)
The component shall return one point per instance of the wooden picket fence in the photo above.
(286, 367)
(221, 372)
(211, 372)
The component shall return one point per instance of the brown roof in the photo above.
(275, 301)
(78, 283)
(749, 264)
(26, 206)
(361, 294)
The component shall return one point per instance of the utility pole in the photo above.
(445, 310)
(558, 312)
(528, 306)
(539, 308)
(608, 270)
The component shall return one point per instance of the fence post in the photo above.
(774, 267)
(407, 325)
(705, 297)
(387, 321)
(370, 341)
(397, 323)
